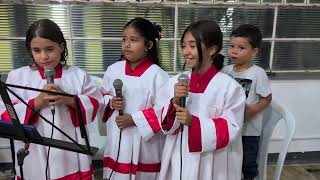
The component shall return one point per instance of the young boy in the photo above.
(245, 43)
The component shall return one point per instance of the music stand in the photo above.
(29, 134)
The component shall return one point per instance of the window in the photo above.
(93, 32)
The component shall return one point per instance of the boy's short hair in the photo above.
(251, 32)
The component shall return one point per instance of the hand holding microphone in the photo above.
(49, 73)
(123, 120)
(44, 99)
(183, 80)
(41, 100)
(117, 101)
(181, 91)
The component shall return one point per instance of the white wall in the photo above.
(302, 98)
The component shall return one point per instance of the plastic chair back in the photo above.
(272, 115)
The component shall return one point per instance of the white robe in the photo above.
(141, 145)
(63, 164)
(211, 146)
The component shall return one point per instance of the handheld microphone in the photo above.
(183, 78)
(117, 84)
(49, 73)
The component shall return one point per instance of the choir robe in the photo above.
(141, 145)
(211, 145)
(63, 165)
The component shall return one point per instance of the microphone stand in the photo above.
(13, 171)
(34, 111)
(83, 131)
(20, 133)
(21, 154)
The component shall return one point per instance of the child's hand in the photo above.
(180, 90)
(41, 100)
(249, 111)
(57, 99)
(253, 109)
(117, 103)
(124, 121)
(182, 115)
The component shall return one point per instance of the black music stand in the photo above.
(16, 131)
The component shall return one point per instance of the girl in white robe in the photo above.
(47, 46)
(138, 129)
(212, 119)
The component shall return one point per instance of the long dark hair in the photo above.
(47, 29)
(150, 32)
(207, 32)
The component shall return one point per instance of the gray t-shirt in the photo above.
(255, 83)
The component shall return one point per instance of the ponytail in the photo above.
(155, 37)
(158, 29)
(218, 61)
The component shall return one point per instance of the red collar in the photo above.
(144, 64)
(199, 82)
(58, 69)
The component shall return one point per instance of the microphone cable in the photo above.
(47, 164)
(181, 152)
(118, 153)
(116, 163)
(117, 84)
(181, 127)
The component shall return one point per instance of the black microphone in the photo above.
(117, 84)
(183, 78)
(49, 73)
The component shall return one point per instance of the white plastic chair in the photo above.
(96, 130)
(272, 115)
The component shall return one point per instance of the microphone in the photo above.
(183, 78)
(117, 84)
(49, 73)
